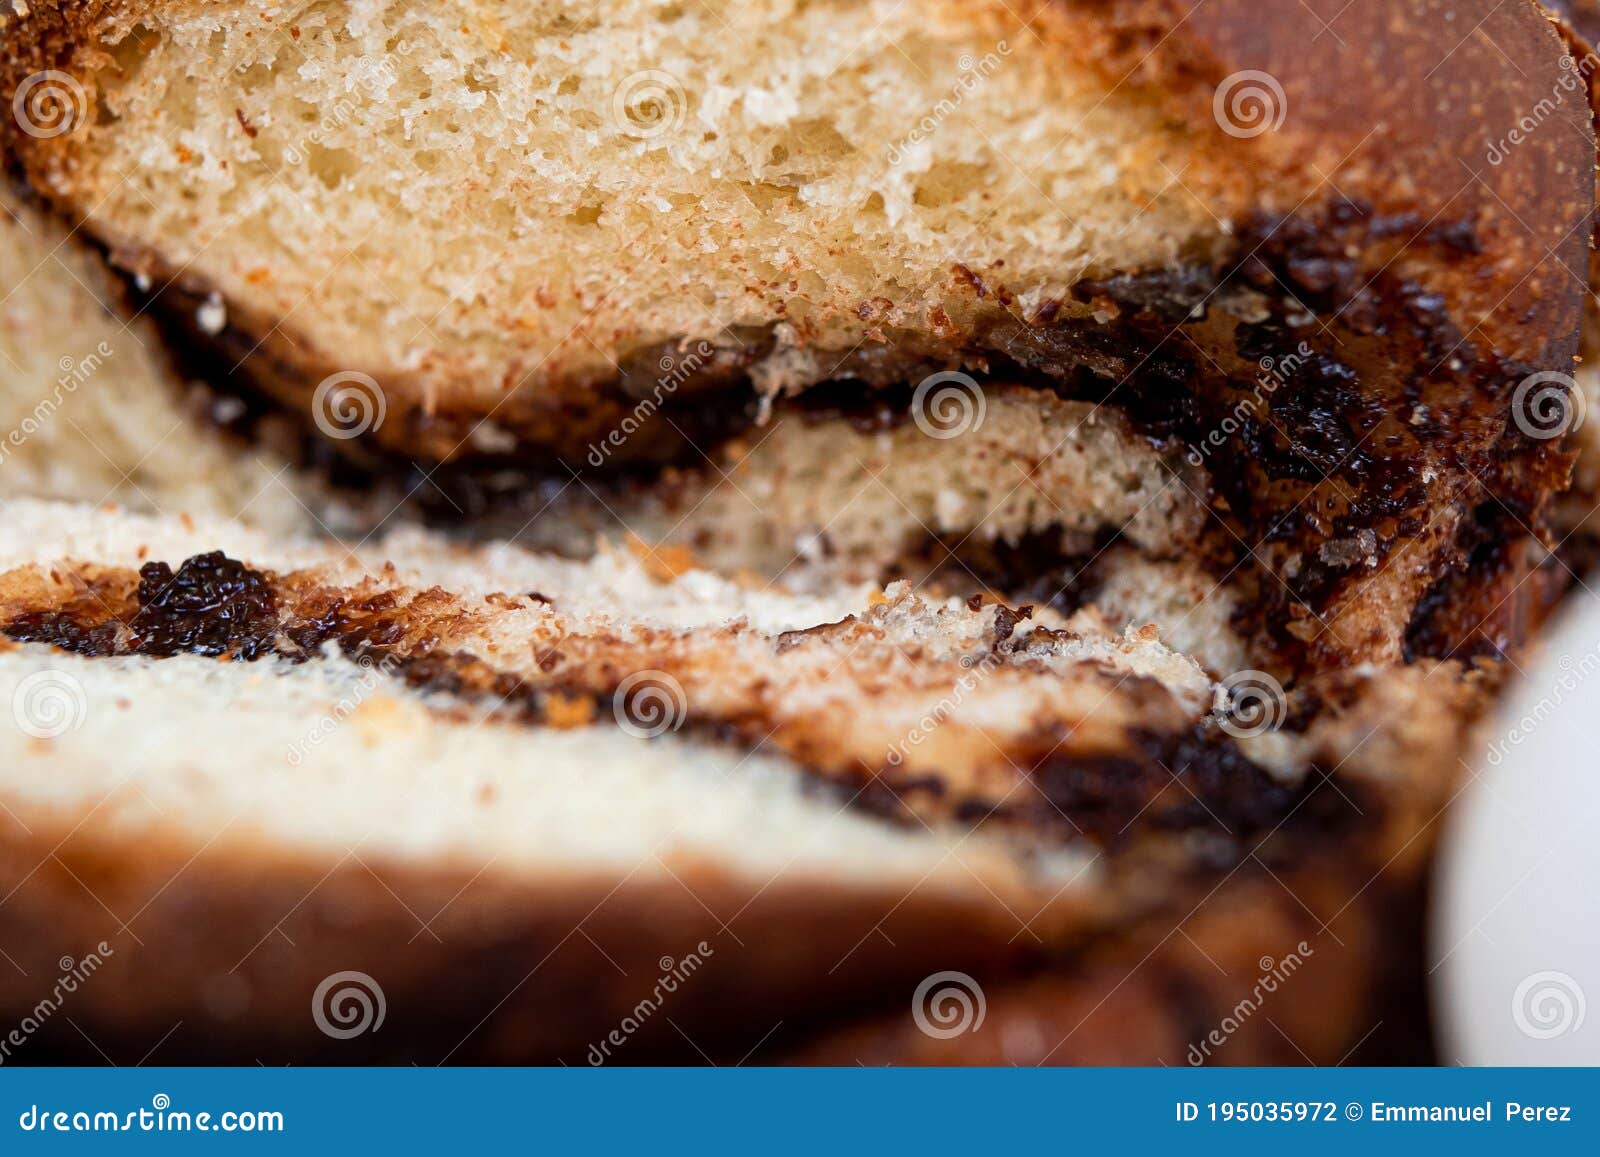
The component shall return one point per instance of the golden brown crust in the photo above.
(216, 956)
(1578, 23)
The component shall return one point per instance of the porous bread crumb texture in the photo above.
(1190, 608)
(89, 407)
(599, 589)
(815, 501)
(531, 191)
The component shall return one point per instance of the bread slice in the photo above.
(510, 236)
(859, 495)
(420, 762)
(597, 190)
(552, 240)
(1275, 437)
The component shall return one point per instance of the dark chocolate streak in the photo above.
(1341, 439)
(1196, 780)
(1190, 781)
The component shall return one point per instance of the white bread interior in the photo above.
(549, 231)
(192, 746)
(229, 784)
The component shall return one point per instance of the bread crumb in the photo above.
(662, 563)
(212, 316)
